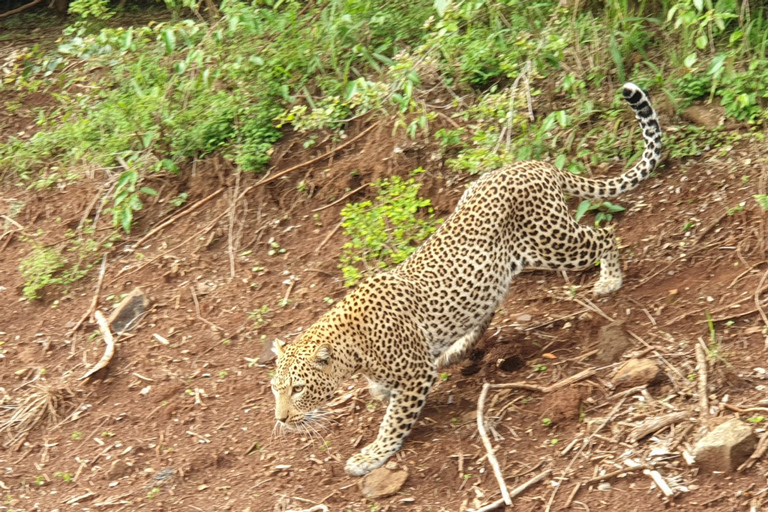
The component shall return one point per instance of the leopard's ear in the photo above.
(277, 347)
(322, 356)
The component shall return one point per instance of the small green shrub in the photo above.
(39, 269)
(384, 231)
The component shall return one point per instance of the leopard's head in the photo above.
(303, 382)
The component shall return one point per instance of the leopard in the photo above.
(398, 327)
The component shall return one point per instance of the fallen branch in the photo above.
(230, 238)
(328, 237)
(310, 162)
(345, 196)
(22, 8)
(743, 410)
(654, 425)
(614, 474)
(176, 217)
(94, 300)
(481, 423)
(108, 339)
(199, 315)
(757, 299)
(506, 499)
(701, 369)
(516, 491)
(584, 374)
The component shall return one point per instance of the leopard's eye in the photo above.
(298, 389)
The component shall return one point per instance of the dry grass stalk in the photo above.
(43, 404)
(701, 368)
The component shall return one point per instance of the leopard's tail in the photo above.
(605, 188)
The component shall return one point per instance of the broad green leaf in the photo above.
(716, 67)
(583, 208)
(169, 40)
(690, 60)
(441, 6)
(613, 208)
(701, 42)
(149, 191)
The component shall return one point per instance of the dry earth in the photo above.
(181, 418)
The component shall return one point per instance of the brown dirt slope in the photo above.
(181, 419)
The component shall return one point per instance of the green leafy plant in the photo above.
(39, 270)
(126, 199)
(384, 231)
(67, 477)
(605, 210)
(762, 200)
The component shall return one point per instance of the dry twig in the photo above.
(762, 447)
(19, 9)
(176, 217)
(94, 300)
(757, 299)
(108, 339)
(197, 311)
(613, 474)
(342, 198)
(655, 424)
(488, 447)
(328, 237)
(584, 374)
(516, 491)
(230, 237)
(481, 423)
(701, 369)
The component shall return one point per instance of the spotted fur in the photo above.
(396, 328)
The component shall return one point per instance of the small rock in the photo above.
(524, 318)
(127, 313)
(612, 342)
(725, 447)
(118, 469)
(384, 481)
(636, 372)
(605, 486)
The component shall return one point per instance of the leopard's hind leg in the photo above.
(568, 245)
(461, 347)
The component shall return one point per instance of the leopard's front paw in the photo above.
(606, 286)
(363, 463)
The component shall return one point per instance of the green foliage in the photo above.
(605, 210)
(385, 231)
(762, 200)
(39, 269)
(97, 9)
(126, 199)
(45, 266)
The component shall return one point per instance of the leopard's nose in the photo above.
(283, 419)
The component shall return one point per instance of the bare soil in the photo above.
(185, 421)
